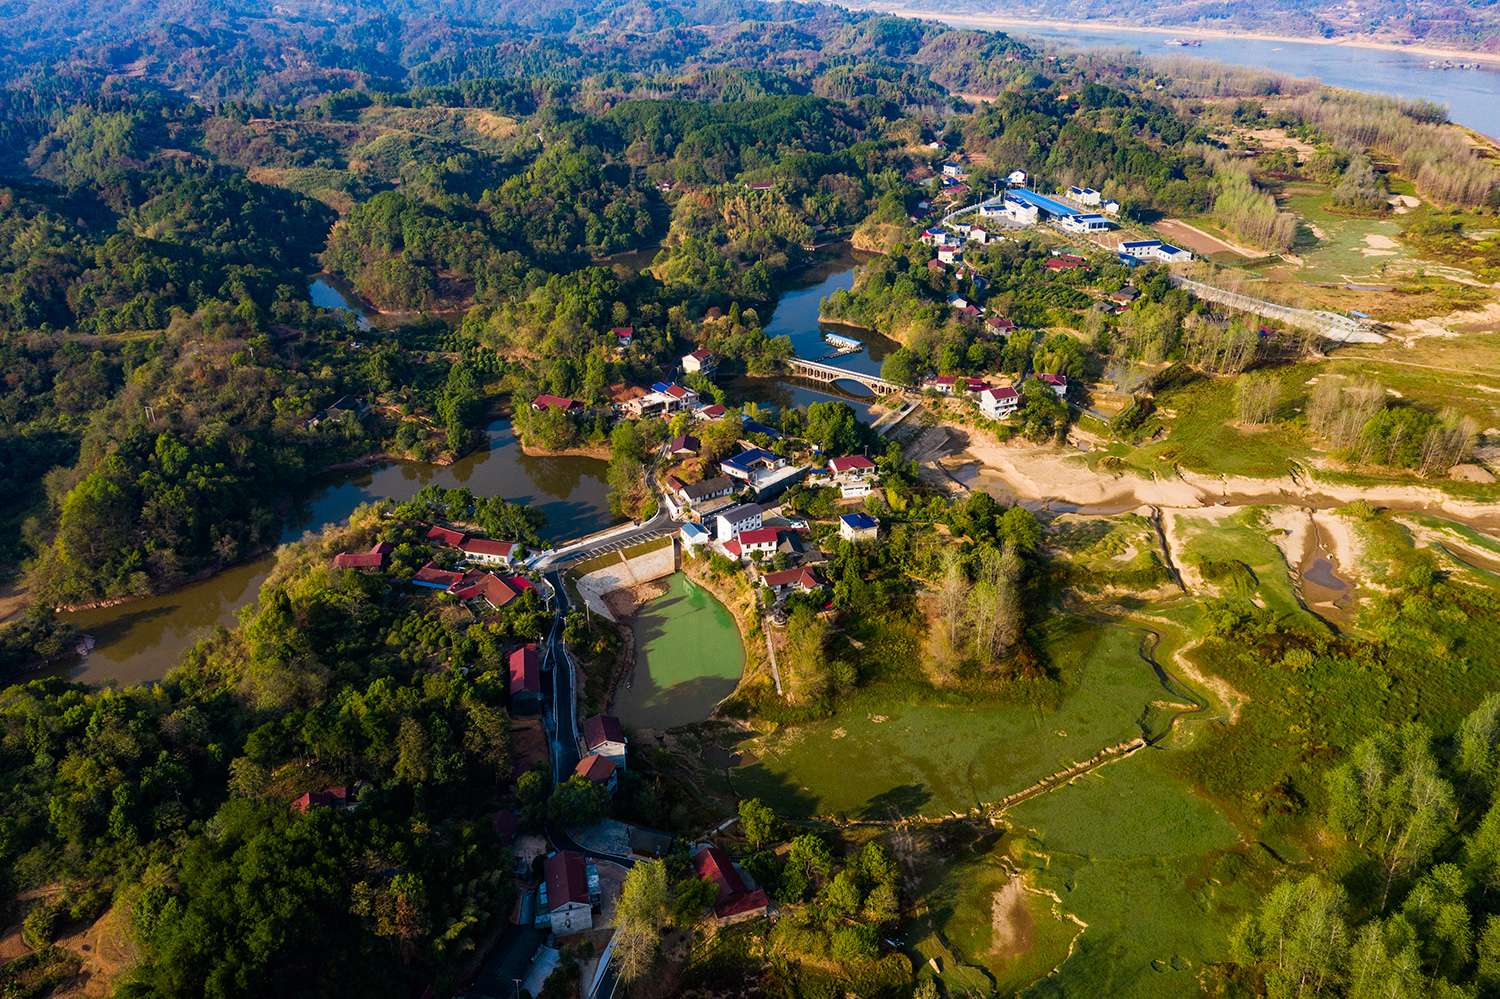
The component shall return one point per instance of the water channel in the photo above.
(141, 640)
(796, 317)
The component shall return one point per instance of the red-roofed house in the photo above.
(603, 735)
(624, 335)
(372, 559)
(434, 578)
(711, 412)
(801, 578)
(567, 899)
(762, 540)
(545, 401)
(999, 325)
(998, 403)
(1058, 383)
(699, 361)
(736, 901)
(329, 797)
(597, 770)
(942, 383)
(855, 475)
(484, 586)
(852, 464)
(487, 552)
(445, 536)
(526, 678)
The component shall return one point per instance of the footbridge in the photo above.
(817, 371)
(1328, 325)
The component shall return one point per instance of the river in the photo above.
(141, 640)
(689, 657)
(796, 317)
(1470, 94)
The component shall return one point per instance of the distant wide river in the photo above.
(1472, 96)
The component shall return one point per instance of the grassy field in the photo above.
(936, 757)
(1238, 556)
(1338, 247)
(1110, 551)
(1201, 434)
(1429, 371)
(987, 939)
(1157, 873)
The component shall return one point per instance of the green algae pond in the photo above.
(688, 658)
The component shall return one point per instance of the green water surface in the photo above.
(688, 658)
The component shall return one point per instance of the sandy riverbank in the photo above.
(1001, 21)
(598, 451)
(1060, 479)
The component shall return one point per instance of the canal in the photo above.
(688, 658)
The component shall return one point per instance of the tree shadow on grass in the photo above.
(903, 800)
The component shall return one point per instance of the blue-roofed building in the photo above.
(858, 527)
(1092, 222)
(765, 472)
(694, 535)
(659, 386)
(1154, 249)
(1140, 249)
(1050, 207)
(744, 465)
(752, 427)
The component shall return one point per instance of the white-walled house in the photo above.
(854, 474)
(728, 523)
(858, 527)
(1085, 223)
(483, 551)
(699, 362)
(603, 735)
(1057, 383)
(1018, 212)
(999, 403)
(568, 893)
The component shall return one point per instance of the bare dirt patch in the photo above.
(1012, 929)
(1276, 138)
(1454, 323)
(1200, 242)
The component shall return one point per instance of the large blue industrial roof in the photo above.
(1047, 205)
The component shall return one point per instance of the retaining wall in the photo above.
(627, 573)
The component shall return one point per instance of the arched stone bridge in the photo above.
(819, 372)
